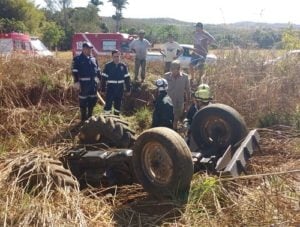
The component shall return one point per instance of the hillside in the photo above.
(141, 23)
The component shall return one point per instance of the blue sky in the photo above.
(211, 11)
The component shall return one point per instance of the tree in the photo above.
(291, 39)
(62, 6)
(22, 11)
(57, 5)
(96, 2)
(52, 34)
(265, 38)
(7, 25)
(119, 5)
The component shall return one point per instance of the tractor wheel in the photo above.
(215, 127)
(107, 129)
(37, 172)
(90, 131)
(163, 163)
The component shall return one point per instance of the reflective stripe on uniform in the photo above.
(84, 79)
(105, 75)
(126, 75)
(115, 81)
(75, 70)
(84, 97)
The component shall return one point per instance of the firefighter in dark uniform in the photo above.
(115, 78)
(163, 108)
(86, 74)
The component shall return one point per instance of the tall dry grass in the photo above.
(38, 110)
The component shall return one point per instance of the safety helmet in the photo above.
(161, 84)
(203, 93)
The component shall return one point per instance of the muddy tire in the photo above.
(215, 127)
(37, 172)
(163, 163)
(90, 131)
(107, 129)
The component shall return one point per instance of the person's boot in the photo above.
(83, 112)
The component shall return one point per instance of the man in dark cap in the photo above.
(86, 75)
(140, 47)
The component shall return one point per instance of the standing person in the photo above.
(86, 75)
(171, 51)
(201, 41)
(140, 47)
(163, 108)
(178, 89)
(115, 75)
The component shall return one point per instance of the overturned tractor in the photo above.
(159, 158)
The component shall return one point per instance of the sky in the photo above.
(209, 12)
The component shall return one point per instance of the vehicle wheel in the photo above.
(90, 131)
(163, 163)
(107, 129)
(118, 132)
(35, 172)
(215, 127)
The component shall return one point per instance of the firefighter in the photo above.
(163, 107)
(115, 78)
(86, 75)
(202, 98)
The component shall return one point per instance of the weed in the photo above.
(143, 118)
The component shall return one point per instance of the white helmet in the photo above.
(161, 84)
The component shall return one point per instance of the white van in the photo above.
(39, 48)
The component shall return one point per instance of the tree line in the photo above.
(56, 23)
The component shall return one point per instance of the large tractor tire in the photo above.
(36, 172)
(215, 127)
(163, 163)
(107, 129)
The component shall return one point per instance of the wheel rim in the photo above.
(157, 164)
(216, 130)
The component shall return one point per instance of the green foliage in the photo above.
(22, 11)
(58, 5)
(291, 39)
(96, 2)
(143, 117)
(52, 34)
(7, 25)
(275, 118)
(265, 38)
(203, 194)
(47, 82)
(85, 19)
(119, 5)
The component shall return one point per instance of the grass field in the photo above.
(38, 107)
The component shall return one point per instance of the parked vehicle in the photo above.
(103, 43)
(22, 44)
(15, 43)
(39, 48)
(184, 59)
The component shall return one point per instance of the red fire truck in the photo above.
(15, 43)
(103, 43)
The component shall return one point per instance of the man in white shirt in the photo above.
(171, 51)
(140, 47)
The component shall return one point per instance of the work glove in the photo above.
(76, 86)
